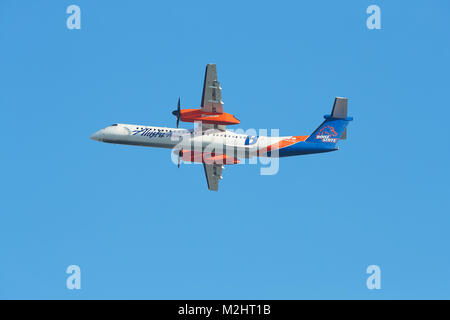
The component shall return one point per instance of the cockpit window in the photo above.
(114, 125)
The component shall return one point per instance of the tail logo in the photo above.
(327, 134)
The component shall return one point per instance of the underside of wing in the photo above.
(213, 174)
(207, 126)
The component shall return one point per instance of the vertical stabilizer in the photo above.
(335, 125)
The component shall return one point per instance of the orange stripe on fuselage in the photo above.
(282, 144)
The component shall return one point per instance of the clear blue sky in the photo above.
(141, 228)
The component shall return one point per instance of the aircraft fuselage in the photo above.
(226, 142)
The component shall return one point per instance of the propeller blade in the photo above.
(179, 156)
(178, 111)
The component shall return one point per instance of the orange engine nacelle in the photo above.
(208, 158)
(193, 115)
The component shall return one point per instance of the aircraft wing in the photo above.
(213, 173)
(212, 96)
(212, 92)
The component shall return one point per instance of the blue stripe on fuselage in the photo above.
(303, 147)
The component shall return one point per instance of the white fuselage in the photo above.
(173, 138)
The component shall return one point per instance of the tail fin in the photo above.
(335, 125)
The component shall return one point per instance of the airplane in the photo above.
(211, 144)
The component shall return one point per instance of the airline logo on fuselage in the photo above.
(251, 140)
(327, 134)
(152, 133)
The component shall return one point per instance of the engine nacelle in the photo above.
(208, 158)
(195, 115)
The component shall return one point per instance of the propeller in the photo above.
(180, 154)
(177, 112)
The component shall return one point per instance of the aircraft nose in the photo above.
(98, 136)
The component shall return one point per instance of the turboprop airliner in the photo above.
(211, 144)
